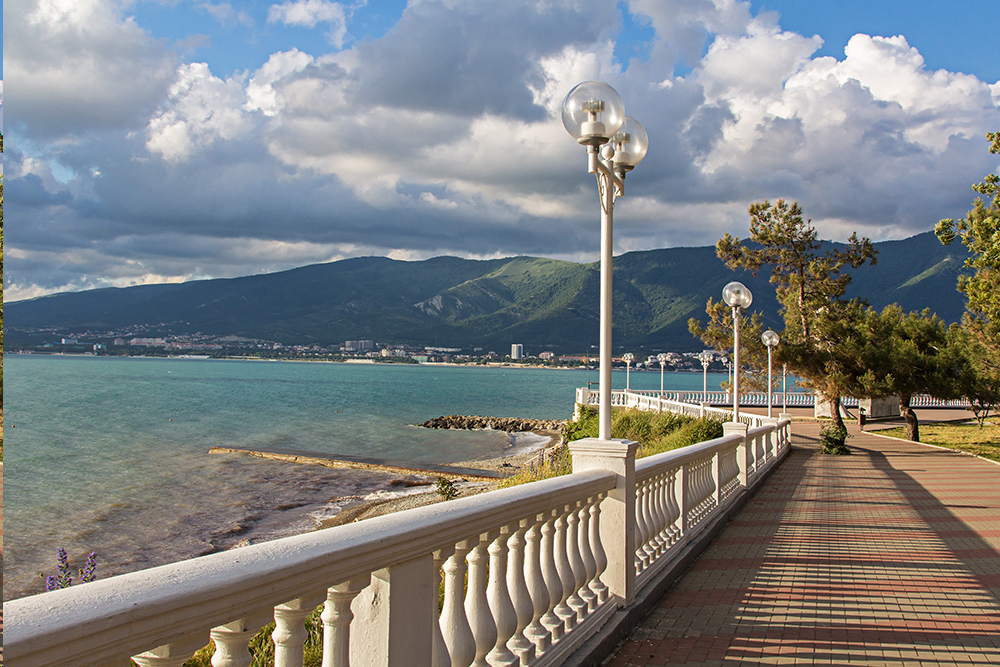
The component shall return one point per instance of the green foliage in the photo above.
(832, 439)
(655, 432)
(810, 287)
(446, 488)
(907, 354)
(979, 231)
(718, 334)
(690, 433)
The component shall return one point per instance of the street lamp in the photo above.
(737, 296)
(662, 358)
(705, 358)
(784, 388)
(628, 358)
(594, 115)
(770, 339)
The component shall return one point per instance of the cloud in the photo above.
(200, 110)
(226, 14)
(79, 64)
(309, 13)
(443, 136)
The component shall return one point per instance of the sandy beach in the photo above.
(503, 464)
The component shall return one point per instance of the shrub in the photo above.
(832, 439)
(446, 488)
(690, 432)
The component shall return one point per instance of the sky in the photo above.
(168, 140)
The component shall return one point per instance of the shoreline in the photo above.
(366, 509)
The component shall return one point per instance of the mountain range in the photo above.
(451, 302)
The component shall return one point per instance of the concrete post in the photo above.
(394, 628)
(742, 453)
(617, 527)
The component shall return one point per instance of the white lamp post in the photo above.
(662, 358)
(737, 296)
(770, 339)
(705, 358)
(594, 115)
(784, 388)
(628, 358)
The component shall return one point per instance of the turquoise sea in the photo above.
(111, 454)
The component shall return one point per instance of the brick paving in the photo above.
(890, 557)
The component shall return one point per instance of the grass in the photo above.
(656, 433)
(965, 437)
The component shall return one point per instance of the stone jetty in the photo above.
(507, 424)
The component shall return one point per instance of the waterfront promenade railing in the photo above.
(518, 576)
(693, 399)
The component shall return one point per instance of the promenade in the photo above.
(890, 556)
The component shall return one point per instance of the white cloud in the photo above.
(261, 93)
(310, 13)
(443, 136)
(80, 64)
(201, 109)
(226, 14)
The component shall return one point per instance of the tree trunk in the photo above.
(912, 424)
(838, 419)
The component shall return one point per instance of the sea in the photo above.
(110, 455)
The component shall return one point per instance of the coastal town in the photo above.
(132, 343)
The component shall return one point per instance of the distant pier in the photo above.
(362, 463)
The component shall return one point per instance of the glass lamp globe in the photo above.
(736, 295)
(593, 112)
(628, 357)
(630, 143)
(769, 338)
(662, 357)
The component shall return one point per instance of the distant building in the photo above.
(517, 351)
(547, 356)
(119, 341)
(358, 346)
(70, 341)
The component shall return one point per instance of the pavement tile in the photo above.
(890, 556)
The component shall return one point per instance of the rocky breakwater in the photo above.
(507, 424)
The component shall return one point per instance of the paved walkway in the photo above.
(890, 556)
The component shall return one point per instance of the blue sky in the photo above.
(166, 140)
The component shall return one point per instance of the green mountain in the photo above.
(451, 302)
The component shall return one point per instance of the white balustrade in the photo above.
(528, 573)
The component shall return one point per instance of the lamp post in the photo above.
(594, 115)
(705, 358)
(737, 296)
(628, 358)
(662, 358)
(770, 339)
(784, 388)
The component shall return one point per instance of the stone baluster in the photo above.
(518, 574)
(672, 508)
(552, 581)
(501, 605)
(587, 556)
(174, 654)
(454, 623)
(439, 651)
(663, 512)
(232, 643)
(644, 524)
(576, 601)
(536, 631)
(565, 572)
(477, 607)
(640, 525)
(337, 617)
(597, 548)
(290, 631)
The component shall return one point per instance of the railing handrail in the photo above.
(133, 612)
(678, 457)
